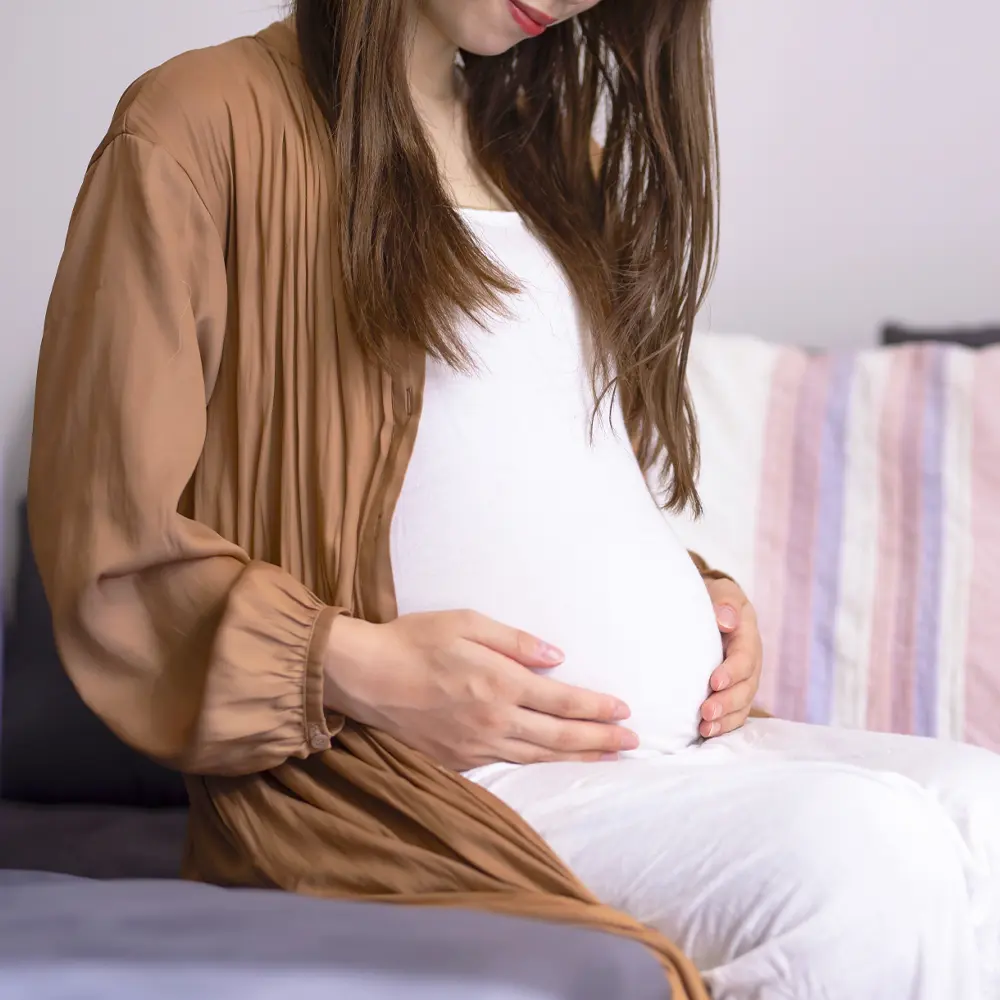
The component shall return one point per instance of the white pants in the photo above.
(793, 861)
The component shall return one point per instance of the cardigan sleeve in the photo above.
(189, 650)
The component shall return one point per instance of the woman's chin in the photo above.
(488, 32)
(495, 44)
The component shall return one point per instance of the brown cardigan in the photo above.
(213, 473)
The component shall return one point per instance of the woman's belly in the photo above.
(544, 530)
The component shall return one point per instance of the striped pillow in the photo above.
(856, 497)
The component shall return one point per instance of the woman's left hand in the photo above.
(735, 683)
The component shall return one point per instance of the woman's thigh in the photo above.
(779, 877)
(956, 774)
(963, 780)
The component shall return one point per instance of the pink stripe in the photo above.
(800, 555)
(888, 590)
(909, 532)
(775, 517)
(982, 677)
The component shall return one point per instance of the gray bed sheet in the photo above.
(64, 938)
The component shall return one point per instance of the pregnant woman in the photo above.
(355, 330)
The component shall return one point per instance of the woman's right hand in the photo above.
(463, 689)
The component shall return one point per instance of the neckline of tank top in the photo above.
(491, 217)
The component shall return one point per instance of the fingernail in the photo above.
(630, 741)
(608, 757)
(715, 711)
(714, 730)
(727, 616)
(722, 682)
(621, 712)
(550, 654)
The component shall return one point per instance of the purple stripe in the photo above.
(829, 528)
(808, 416)
(928, 618)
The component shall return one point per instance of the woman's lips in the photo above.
(532, 22)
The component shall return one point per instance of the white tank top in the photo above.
(510, 508)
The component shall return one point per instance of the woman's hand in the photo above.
(462, 689)
(735, 683)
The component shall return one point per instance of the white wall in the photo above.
(861, 160)
(860, 146)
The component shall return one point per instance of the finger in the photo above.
(745, 636)
(519, 752)
(524, 648)
(726, 592)
(721, 678)
(564, 701)
(570, 736)
(727, 617)
(739, 665)
(729, 602)
(737, 698)
(727, 724)
(541, 694)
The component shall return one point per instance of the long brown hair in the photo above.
(636, 236)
